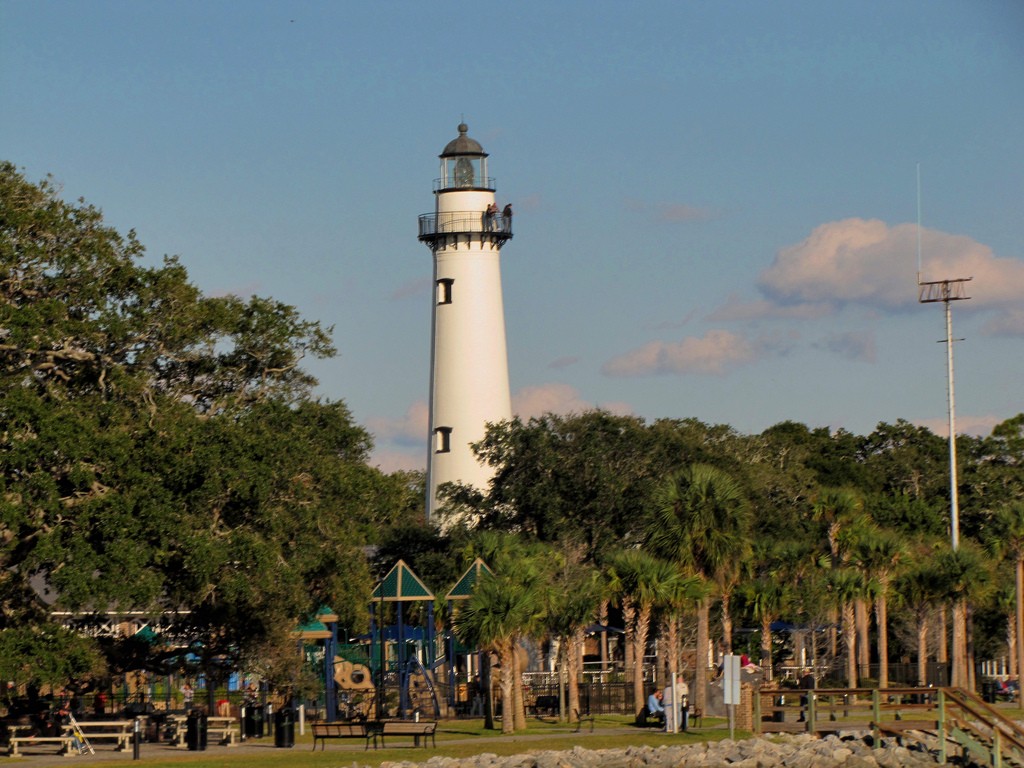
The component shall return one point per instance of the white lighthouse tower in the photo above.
(468, 361)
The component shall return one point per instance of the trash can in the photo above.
(284, 727)
(253, 722)
(195, 731)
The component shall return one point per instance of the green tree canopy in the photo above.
(162, 450)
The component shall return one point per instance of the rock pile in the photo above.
(800, 751)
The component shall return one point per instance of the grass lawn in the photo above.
(462, 738)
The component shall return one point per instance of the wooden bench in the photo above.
(324, 731)
(422, 730)
(65, 743)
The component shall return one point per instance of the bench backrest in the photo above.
(408, 726)
(339, 729)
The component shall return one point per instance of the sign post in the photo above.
(732, 689)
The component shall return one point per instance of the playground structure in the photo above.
(400, 668)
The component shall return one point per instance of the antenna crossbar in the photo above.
(932, 291)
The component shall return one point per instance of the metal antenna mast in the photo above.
(948, 291)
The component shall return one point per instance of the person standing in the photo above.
(506, 218)
(806, 684)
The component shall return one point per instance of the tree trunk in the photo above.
(643, 625)
(863, 647)
(850, 643)
(506, 654)
(726, 622)
(960, 679)
(972, 683)
(942, 652)
(518, 704)
(700, 681)
(574, 653)
(766, 647)
(922, 651)
(882, 619)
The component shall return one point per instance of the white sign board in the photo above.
(732, 679)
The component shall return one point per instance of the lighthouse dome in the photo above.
(463, 145)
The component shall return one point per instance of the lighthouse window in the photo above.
(442, 440)
(462, 172)
(444, 290)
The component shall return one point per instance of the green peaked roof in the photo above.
(312, 630)
(401, 585)
(463, 588)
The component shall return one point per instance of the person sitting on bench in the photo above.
(655, 709)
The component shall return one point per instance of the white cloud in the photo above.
(714, 354)
(736, 309)
(978, 426)
(394, 461)
(868, 262)
(411, 429)
(558, 398)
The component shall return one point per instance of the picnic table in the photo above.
(120, 731)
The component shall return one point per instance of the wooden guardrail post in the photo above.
(942, 726)
(812, 708)
(876, 718)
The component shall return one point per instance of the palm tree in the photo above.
(680, 595)
(766, 598)
(837, 508)
(493, 620)
(846, 585)
(879, 554)
(1007, 540)
(963, 577)
(573, 600)
(641, 582)
(919, 592)
(524, 570)
(701, 521)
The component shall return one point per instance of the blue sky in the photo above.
(715, 202)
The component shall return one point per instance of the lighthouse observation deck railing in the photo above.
(463, 222)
